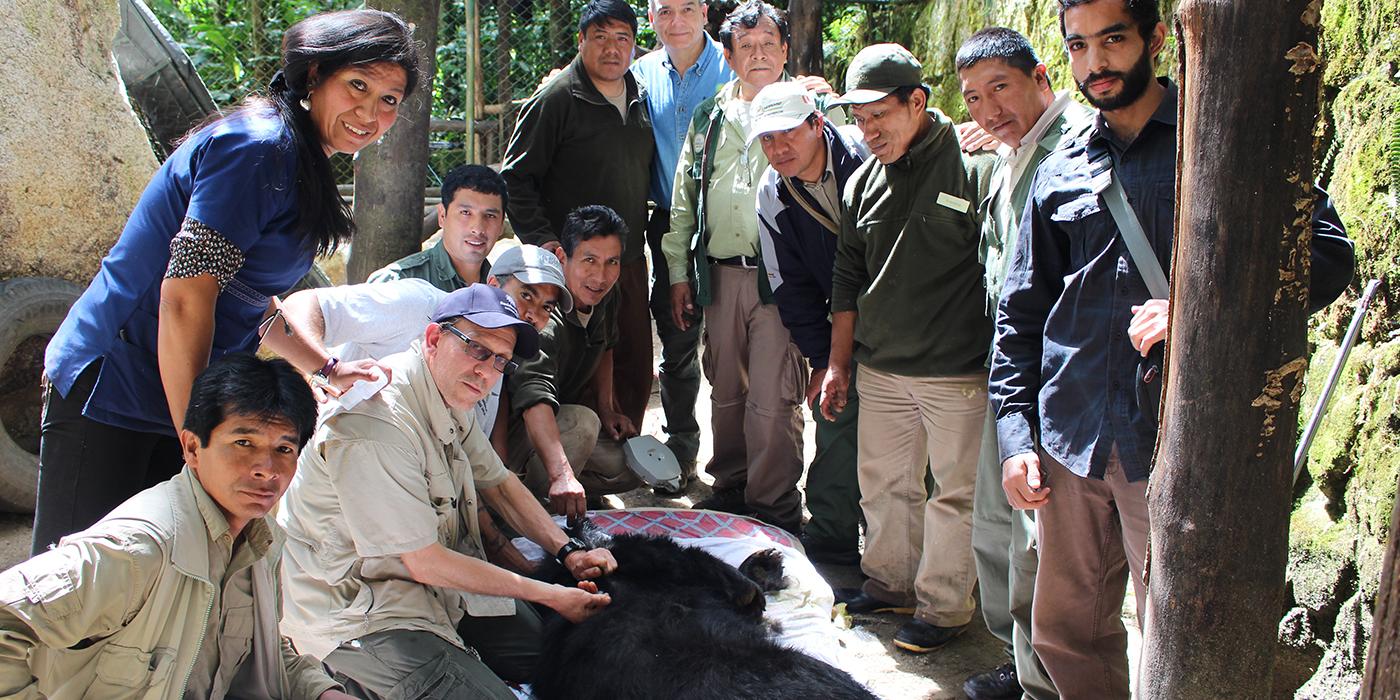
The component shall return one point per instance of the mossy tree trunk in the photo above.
(389, 177)
(1219, 499)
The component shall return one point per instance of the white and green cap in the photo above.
(879, 70)
(779, 107)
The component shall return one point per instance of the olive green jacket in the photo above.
(906, 259)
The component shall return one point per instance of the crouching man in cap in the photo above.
(174, 594)
(387, 580)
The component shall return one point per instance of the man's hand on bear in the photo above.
(590, 564)
(580, 603)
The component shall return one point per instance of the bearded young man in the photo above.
(1074, 322)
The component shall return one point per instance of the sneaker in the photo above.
(858, 602)
(999, 683)
(921, 637)
(726, 501)
(823, 552)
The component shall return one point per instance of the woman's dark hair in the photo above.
(591, 221)
(325, 43)
(477, 178)
(747, 16)
(242, 384)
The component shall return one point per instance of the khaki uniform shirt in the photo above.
(152, 602)
(395, 474)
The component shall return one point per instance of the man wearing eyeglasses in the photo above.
(385, 573)
(566, 425)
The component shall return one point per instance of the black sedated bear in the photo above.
(682, 624)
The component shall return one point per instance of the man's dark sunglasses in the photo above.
(481, 353)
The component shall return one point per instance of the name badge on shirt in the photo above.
(957, 204)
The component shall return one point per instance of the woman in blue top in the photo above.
(231, 219)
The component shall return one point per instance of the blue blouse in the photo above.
(237, 177)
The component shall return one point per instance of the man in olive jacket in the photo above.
(585, 138)
(907, 306)
(175, 593)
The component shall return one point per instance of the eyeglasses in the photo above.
(481, 353)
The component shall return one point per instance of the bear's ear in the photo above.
(765, 568)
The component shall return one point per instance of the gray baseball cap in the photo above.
(878, 70)
(532, 264)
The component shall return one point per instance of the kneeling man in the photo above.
(174, 594)
(387, 578)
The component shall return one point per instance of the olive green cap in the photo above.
(878, 70)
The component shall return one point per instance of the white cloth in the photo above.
(379, 319)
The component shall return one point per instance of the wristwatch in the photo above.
(573, 545)
(325, 372)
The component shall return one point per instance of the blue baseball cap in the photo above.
(489, 307)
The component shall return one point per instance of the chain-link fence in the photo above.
(491, 56)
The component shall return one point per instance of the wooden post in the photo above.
(1219, 497)
(1381, 680)
(389, 177)
(805, 48)
(472, 52)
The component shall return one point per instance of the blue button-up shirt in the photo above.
(673, 98)
(1063, 368)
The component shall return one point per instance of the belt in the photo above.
(743, 261)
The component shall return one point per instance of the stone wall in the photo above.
(73, 156)
(1340, 524)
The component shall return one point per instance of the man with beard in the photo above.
(1074, 323)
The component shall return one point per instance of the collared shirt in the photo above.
(1064, 372)
(395, 474)
(673, 98)
(799, 250)
(236, 176)
(1011, 185)
(229, 629)
(433, 265)
(152, 601)
(823, 191)
(1064, 367)
(729, 215)
(906, 259)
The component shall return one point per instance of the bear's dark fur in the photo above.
(682, 624)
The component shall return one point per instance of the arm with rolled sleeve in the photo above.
(1033, 285)
(87, 588)
(802, 303)
(527, 160)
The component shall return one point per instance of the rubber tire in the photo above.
(29, 306)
